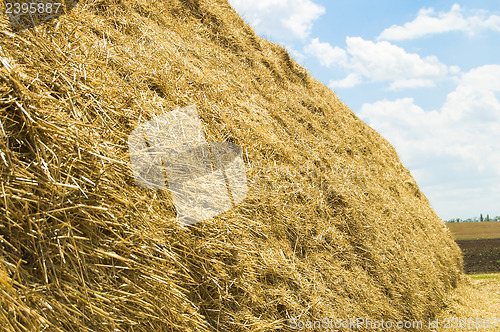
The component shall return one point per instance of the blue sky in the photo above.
(424, 74)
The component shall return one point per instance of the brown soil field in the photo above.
(475, 230)
(481, 255)
(480, 245)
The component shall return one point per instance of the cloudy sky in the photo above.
(425, 74)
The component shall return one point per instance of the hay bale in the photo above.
(333, 225)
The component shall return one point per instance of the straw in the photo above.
(333, 225)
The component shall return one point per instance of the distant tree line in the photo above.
(475, 219)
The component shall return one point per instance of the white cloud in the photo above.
(454, 69)
(411, 83)
(380, 62)
(326, 53)
(280, 19)
(350, 81)
(492, 23)
(456, 146)
(383, 61)
(475, 101)
(429, 22)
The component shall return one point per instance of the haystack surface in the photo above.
(333, 225)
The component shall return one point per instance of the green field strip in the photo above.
(482, 276)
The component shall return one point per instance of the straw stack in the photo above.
(333, 225)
